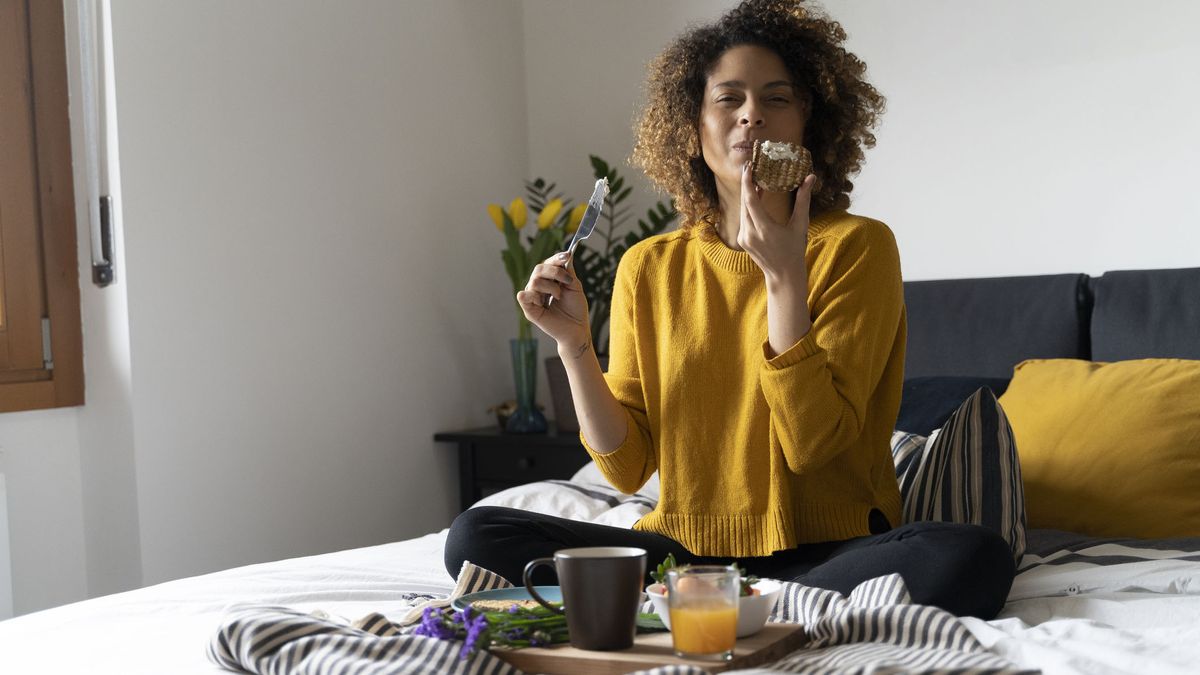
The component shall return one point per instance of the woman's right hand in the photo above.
(566, 319)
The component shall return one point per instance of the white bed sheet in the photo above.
(1070, 619)
(1095, 633)
(1080, 617)
(166, 628)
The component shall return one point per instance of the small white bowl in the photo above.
(753, 610)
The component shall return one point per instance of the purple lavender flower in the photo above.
(476, 628)
(515, 609)
(433, 624)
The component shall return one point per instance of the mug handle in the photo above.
(529, 584)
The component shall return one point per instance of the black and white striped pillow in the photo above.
(965, 472)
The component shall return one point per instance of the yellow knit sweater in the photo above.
(758, 454)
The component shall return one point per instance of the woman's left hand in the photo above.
(777, 248)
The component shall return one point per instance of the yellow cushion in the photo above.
(1109, 449)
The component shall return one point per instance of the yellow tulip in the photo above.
(497, 213)
(517, 210)
(576, 217)
(549, 214)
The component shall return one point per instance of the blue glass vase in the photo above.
(526, 419)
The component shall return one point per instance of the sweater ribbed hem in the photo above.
(741, 536)
(832, 522)
(892, 506)
(736, 536)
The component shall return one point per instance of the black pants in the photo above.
(964, 569)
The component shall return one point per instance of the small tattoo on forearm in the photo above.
(582, 349)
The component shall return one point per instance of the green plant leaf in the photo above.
(536, 246)
(614, 188)
(650, 623)
(511, 268)
(515, 250)
(660, 572)
(539, 192)
(535, 194)
(599, 167)
(512, 238)
(547, 241)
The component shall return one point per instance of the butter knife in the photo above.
(590, 216)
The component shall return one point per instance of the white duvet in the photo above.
(1133, 617)
(1141, 616)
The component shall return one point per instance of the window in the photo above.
(41, 346)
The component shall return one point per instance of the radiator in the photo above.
(6, 604)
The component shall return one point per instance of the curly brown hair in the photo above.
(842, 106)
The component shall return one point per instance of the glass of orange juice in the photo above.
(703, 601)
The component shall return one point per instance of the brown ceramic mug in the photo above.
(601, 591)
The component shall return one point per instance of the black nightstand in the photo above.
(490, 460)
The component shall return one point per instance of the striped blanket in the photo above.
(874, 630)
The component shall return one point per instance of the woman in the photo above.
(757, 353)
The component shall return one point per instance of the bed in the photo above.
(1081, 603)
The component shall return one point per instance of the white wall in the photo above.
(6, 603)
(39, 456)
(1021, 137)
(1032, 137)
(304, 188)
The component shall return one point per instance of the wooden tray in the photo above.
(652, 650)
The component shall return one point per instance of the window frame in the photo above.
(63, 384)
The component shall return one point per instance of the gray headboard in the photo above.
(984, 327)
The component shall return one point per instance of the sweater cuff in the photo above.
(627, 460)
(807, 346)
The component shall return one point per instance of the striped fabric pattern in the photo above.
(878, 630)
(875, 630)
(966, 472)
(611, 497)
(1096, 551)
(279, 640)
(471, 578)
